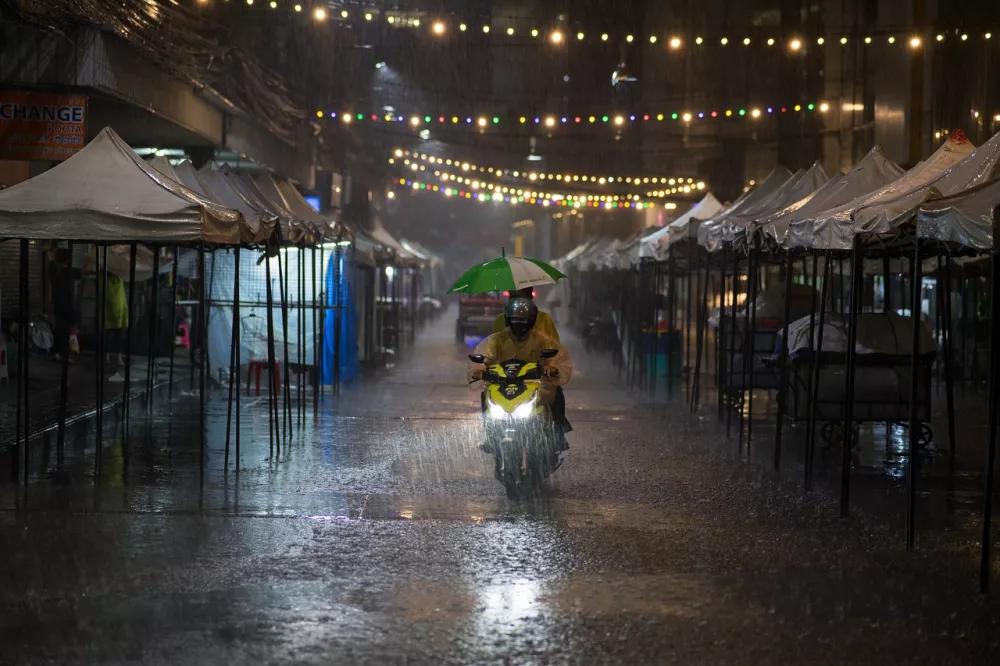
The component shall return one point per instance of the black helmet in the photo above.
(520, 315)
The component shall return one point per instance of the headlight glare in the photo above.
(496, 411)
(525, 410)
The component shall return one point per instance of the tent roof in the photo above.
(710, 231)
(835, 228)
(978, 167)
(872, 172)
(684, 226)
(108, 193)
(260, 222)
(297, 204)
(804, 183)
(265, 187)
(965, 219)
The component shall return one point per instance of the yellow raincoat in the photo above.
(544, 324)
(503, 346)
(116, 314)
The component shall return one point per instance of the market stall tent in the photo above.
(835, 228)
(106, 193)
(685, 227)
(710, 232)
(874, 171)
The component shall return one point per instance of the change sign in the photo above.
(41, 126)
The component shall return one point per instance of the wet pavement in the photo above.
(378, 536)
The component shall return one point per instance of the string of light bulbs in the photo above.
(532, 176)
(514, 199)
(483, 122)
(672, 40)
(482, 184)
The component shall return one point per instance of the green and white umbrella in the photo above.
(506, 274)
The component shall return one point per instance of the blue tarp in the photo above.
(339, 296)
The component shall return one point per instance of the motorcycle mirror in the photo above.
(549, 353)
(477, 358)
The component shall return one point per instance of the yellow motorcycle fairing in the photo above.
(516, 391)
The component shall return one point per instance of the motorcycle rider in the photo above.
(543, 323)
(522, 339)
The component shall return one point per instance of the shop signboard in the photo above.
(41, 126)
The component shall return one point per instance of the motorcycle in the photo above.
(520, 432)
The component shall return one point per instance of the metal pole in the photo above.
(302, 339)
(911, 466)
(173, 341)
(153, 320)
(687, 332)
(202, 360)
(671, 321)
(23, 340)
(985, 556)
(272, 412)
(287, 402)
(948, 354)
(127, 389)
(322, 319)
(233, 355)
(63, 347)
(852, 340)
(338, 303)
(752, 338)
(700, 338)
(239, 355)
(102, 307)
(317, 357)
(816, 369)
(782, 386)
(720, 336)
(732, 348)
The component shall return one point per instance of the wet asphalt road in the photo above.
(379, 536)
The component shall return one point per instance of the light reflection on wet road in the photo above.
(380, 537)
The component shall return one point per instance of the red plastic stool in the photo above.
(255, 369)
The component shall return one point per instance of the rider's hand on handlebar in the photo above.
(476, 375)
(552, 372)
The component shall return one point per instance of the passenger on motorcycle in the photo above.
(522, 340)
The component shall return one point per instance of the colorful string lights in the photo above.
(408, 156)
(516, 197)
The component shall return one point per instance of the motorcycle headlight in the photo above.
(525, 410)
(496, 411)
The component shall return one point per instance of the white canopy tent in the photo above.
(107, 193)
(685, 227)
(835, 228)
(964, 219)
(221, 183)
(803, 183)
(710, 232)
(872, 172)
